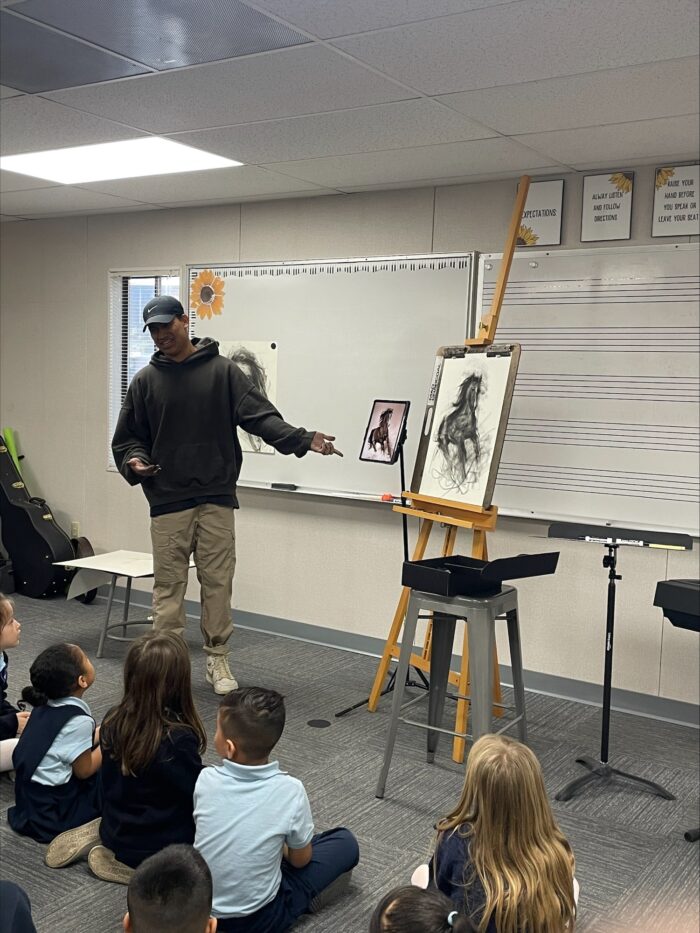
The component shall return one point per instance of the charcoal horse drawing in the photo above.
(465, 423)
(463, 445)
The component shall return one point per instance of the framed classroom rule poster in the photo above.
(676, 201)
(606, 211)
(541, 222)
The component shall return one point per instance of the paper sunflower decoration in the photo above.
(207, 294)
(526, 236)
(663, 175)
(622, 181)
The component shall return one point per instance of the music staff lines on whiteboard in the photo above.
(660, 290)
(604, 339)
(680, 438)
(679, 488)
(623, 388)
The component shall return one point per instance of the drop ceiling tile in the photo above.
(35, 59)
(455, 180)
(529, 40)
(277, 196)
(167, 33)
(666, 138)
(622, 95)
(419, 165)
(59, 200)
(384, 126)
(326, 19)
(13, 181)
(101, 211)
(222, 183)
(310, 79)
(32, 124)
(8, 92)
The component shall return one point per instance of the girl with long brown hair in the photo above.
(152, 743)
(500, 855)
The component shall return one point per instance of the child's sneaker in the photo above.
(68, 847)
(104, 866)
(335, 890)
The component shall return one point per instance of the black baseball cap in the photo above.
(161, 310)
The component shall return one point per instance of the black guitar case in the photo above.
(31, 537)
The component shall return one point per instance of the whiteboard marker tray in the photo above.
(467, 576)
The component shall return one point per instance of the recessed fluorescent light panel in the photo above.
(131, 158)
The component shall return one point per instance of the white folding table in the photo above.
(97, 570)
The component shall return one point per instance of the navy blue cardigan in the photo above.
(143, 814)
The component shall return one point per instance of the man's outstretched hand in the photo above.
(323, 444)
(141, 468)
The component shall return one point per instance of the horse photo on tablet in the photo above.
(385, 428)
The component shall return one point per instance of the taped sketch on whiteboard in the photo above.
(258, 360)
(465, 424)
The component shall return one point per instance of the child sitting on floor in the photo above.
(414, 910)
(170, 892)
(500, 855)
(254, 827)
(57, 759)
(151, 758)
(12, 720)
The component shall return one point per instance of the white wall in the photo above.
(321, 561)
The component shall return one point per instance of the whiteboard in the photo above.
(346, 332)
(604, 424)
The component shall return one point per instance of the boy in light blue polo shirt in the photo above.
(254, 826)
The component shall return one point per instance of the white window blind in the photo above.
(129, 347)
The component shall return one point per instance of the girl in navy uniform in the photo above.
(500, 855)
(152, 743)
(57, 758)
(12, 720)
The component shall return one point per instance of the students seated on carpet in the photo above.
(170, 892)
(500, 855)
(152, 743)
(254, 826)
(15, 909)
(12, 720)
(414, 910)
(57, 759)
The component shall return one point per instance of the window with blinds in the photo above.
(130, 348)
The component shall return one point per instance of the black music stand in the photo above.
(612, 539)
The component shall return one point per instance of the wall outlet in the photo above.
(75, 529)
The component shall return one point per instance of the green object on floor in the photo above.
(9, 436)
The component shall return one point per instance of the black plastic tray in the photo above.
(467, 576)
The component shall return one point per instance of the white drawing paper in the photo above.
(464, 427)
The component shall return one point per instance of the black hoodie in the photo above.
(183, 416)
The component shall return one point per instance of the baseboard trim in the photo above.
(580, 691)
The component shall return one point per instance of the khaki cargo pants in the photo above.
(208, 532)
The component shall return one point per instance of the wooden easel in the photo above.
(454, 516)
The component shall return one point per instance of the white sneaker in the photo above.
(219, 674)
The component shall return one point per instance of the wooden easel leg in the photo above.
(480, 551)
(395, 630)
(462, 716)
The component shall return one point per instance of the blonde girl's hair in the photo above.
(157, 700)
(517, 851)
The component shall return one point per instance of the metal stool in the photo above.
(480, 613)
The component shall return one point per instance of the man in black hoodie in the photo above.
(176, 436)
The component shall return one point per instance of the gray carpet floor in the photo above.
(635, 869)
